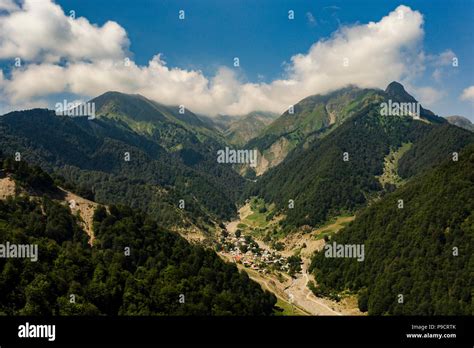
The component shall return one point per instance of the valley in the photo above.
(292, 290)
(142, 173)
(236, 173)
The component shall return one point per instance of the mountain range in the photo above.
(326, 156)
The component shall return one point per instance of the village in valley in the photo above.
(246, 251)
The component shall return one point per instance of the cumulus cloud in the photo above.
(40, 31)
(468, 94)
(70, 55)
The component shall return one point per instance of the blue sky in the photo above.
(259, 32)
(261, 35)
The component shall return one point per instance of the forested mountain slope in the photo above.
(423, 251)
(338, 173)
(317, 115)
(134, 268)
(173, 127)
(120, 166)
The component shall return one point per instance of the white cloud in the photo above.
(92, 62)
(468, 94)
(42, 32)
(428, 96)
(8, 5)
(445, 58)
(441, 63)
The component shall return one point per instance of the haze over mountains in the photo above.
(239, 130)
(330, 155)
(461, 121)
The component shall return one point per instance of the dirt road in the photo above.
(303, 297)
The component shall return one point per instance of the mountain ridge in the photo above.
(323, 185)
(94, 153)
(317, 115)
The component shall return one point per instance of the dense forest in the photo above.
(134, 268)
(429, 151)
(422, 251)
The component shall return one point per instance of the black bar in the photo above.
(224, 331)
